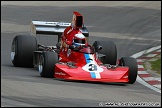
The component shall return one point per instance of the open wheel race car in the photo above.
(72, 58)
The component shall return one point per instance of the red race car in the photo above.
(72, 58)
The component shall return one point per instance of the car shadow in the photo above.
(93, 82)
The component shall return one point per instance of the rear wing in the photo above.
(52, 28)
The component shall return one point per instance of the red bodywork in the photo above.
(84, 63)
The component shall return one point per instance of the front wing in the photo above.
(117, 74)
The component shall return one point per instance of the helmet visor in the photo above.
(81, 41)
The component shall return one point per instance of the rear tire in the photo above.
(47, 63)
(22, 50)
(133, 69)
(108, 49)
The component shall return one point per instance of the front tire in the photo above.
(47, 63)
(22, 50)
(133, 69)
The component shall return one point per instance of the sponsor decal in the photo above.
(60, 73)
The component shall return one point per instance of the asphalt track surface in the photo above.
(134, 26)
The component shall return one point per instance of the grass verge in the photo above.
(156, 65)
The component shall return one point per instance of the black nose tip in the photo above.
(90, 59)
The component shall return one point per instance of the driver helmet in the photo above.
(79, 40)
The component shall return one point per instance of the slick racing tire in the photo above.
(133, 69)
(22, 50)
(46, 66)
(108, 49)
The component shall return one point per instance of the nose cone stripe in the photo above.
(88, 58)
(93, 75)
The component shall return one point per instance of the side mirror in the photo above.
(72, 47)
(99, 47)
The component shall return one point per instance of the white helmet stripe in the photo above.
(80, 36)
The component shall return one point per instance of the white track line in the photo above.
(151, 55)
(138, 78)
(147, 85)
(140, 66)
(145, 51)
(149, 78)
(142, 72)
